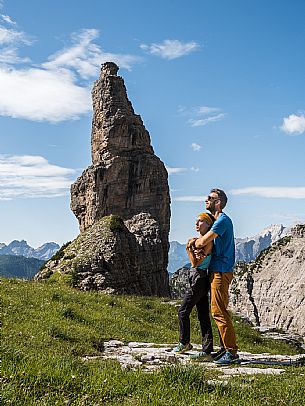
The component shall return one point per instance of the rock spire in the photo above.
(128, 181)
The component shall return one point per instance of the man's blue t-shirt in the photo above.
(223, 254)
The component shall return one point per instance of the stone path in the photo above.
(151, 356)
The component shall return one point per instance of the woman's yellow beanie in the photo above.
(208, 218)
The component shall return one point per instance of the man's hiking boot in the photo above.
(182, 348)
(216, 355)
(227, 359)
(201, 357)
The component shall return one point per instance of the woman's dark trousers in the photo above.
(197, 295)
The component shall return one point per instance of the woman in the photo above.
(197, 294)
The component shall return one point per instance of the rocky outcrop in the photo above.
(151, 357)
(126, 179)
(271, 290)
(109, 258)
(179, 283)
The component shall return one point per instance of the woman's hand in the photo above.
(200, 254)
(190, 246)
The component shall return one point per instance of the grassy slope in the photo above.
(48, 326)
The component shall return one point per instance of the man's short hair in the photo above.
(222, 197)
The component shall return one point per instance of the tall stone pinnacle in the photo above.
(126, 178)
(116, 129)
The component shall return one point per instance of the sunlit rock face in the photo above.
(271, 290)
(126, 179)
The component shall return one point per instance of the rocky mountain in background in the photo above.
(16, 266)
(270, 291)
(127, 184)
(21, 248)
(177, 256)
(247, 249)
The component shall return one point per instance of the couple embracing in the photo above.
(212, 256)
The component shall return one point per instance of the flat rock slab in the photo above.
(251, 371)
(151, 356)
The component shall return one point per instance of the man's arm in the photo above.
(203, 240)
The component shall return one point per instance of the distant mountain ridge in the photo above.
(16, 266)
(246, 249)
(21, 248)
(177, 256)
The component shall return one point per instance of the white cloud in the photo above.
(204, 121)
(195, 147)
(51, 92)
(173, 171)
(86, 57)
(10, 39)
(42, 95)
(7, 19)
(189, 199)
(195, 169)
(9, 55)
(170, 48)
(272, 192)
(201, 115)
(30, 176)
(202, 110)
(11, 36)
(293, 124)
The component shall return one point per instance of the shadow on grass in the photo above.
(289, 362)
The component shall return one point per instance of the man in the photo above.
(221, 268)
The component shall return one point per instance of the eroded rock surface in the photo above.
(127, 180)
(271, 290)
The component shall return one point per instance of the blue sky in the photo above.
(219, 85)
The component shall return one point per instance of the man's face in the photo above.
(210, 202)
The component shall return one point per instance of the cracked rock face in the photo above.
(271, 290)
(127, 180)
(126, 177)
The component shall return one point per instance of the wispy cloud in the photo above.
(195, 169)
(202, 110)
(7, 19)
(85, 57)
(272, 192)
(171, 48)
(195, 147)
(189, 198)
(201, 115)
(204, 121)
(31, 176)
(287, 218)
(174, 171)
(294, 124)
(52, 91)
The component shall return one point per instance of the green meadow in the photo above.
(48, 327)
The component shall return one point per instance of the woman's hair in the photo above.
(207, 217)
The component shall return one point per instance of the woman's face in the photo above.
(201, 226)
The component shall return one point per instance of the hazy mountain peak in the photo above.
(21, 248)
